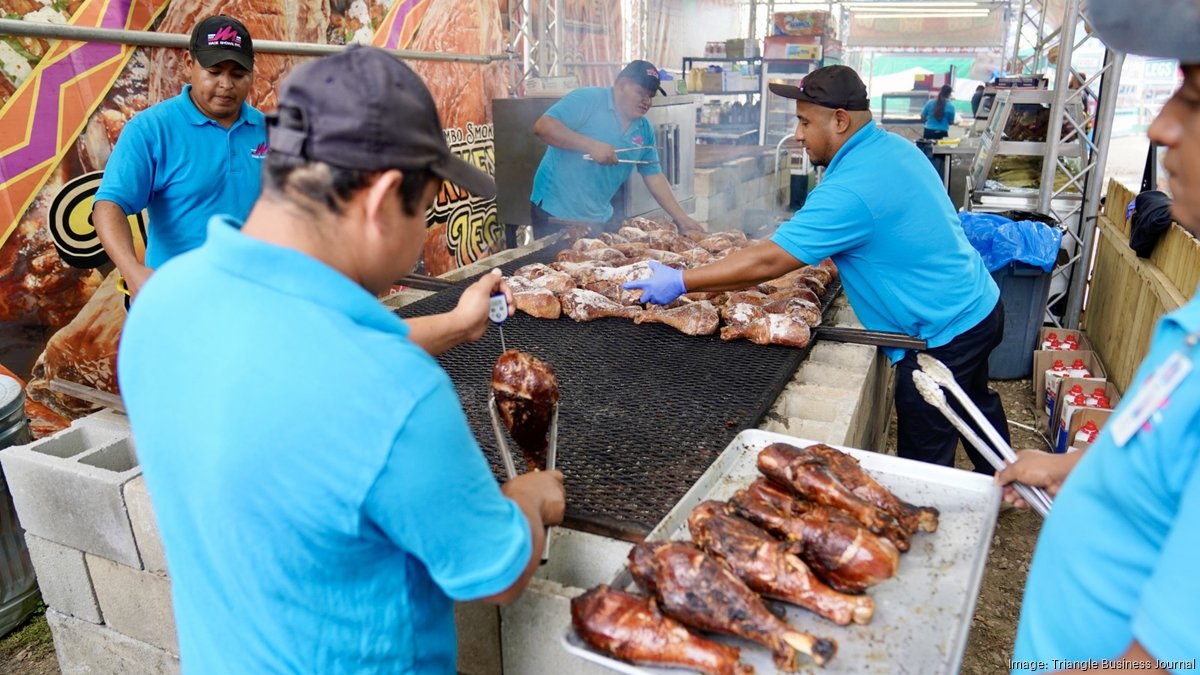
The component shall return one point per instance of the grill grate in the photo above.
(645, 409)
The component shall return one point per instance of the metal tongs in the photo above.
(510, 467)
(931, 379)
(624, 161)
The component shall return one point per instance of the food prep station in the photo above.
(651, 420)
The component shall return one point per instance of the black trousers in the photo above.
(923, 433)
(542, 226)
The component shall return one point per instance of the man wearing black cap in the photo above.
(320, 498)
(596, 136)
(1114, 573)
(884, 218)
(186, 159)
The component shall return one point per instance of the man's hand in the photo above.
(603, 153)
(688, 224)
(1036, 469)
(135, 277)
(664, 285)
(471, 313)
(543, 490)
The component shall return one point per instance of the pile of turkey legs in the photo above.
(815, 530)
(585, 284)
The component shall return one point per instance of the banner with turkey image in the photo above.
(591, 34)
(65, 104)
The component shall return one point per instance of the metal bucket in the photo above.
(18, 585)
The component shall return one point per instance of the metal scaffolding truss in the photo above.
(535, 35)
(1044, 39)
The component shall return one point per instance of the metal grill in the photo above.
(645, 409)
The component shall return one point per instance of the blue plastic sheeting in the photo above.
(1002, 241)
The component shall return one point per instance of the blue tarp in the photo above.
(1002, 240)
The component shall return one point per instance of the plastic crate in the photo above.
(1024, 289)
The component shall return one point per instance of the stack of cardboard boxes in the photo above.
(1074, 396)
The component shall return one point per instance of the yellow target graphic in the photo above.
(70, 223)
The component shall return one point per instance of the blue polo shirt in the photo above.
(935, 124)
(568, 186)
(883, 215)
(186, 168)
(1116, 558)
(320, 498)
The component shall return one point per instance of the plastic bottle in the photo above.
(1087, 433)
(1078, 369)
(1097, 394)
(1053, 375)
(1102, 402)
(1051, 341)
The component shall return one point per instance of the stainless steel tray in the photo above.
(922, 616)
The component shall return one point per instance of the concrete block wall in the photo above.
(92, 537)
(726, 194)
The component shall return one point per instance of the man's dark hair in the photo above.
(330, 186)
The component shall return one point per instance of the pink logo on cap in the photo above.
(652, 72)
(226, 36)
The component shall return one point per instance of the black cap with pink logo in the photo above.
(222, 38)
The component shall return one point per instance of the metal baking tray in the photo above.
(922, 615)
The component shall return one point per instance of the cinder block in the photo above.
(827, 375)
(478, 627)
(63, 579)
(746, 167)
(842, 355)
(145, 527)
(85, 649)
(704, 183)
(820, 432)
(67, 487)
(134, 602)
(724, 179)
(700, 210)
(525, 627)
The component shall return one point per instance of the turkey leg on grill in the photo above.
(631, 628)
(861, 484)
(770, 567)
(526, 391)
(694, 588)
(811, 477)
(694, 318)
(842, 553)
(584, 305)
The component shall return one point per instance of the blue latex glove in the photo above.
(662, 287)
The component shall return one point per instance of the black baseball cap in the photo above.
(222, 38)
(645, 74)
(829, 87)
(1164, 28)
(363, 109)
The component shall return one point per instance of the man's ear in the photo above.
(379, 192)
(841, 120)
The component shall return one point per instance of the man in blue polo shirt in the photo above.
(884, 218)
(595, 135)
(188, 158)
(1114, 572)
(320, 498)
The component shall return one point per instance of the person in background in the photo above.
(320, 498)
(187, 158)
(593, 134)
(1113, 575)
(975, 99)
(904, 260)
(938, 114)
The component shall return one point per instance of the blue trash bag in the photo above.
(1001, 241)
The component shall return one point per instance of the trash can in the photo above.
(1024, 289)
(18, 585)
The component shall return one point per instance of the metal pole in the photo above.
(1110, 83)
(1015, 64)
(753, 19)
(141, 38)
(1062, 75)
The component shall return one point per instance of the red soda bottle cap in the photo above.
(1079, 399)
(1077, 389)
(1098, 392)
(1078, 364)
(1090, 425)
(1052, 336)
(1058, 364)
(1101, 401)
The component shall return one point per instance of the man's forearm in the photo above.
(553, 132)
(436, 334)
(660, 189)
(750, 266)
(112, 226)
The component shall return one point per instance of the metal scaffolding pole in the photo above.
(142, 38)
